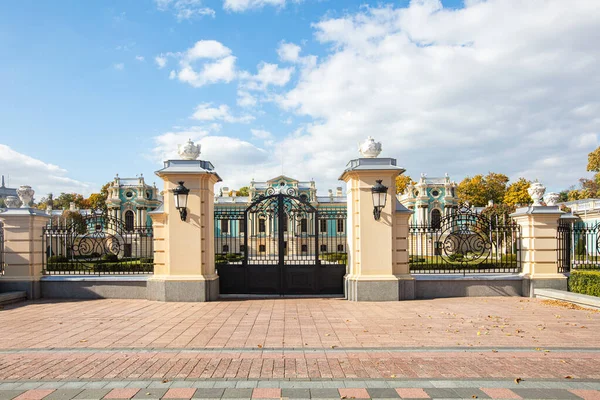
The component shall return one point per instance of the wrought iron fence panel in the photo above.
(579, 246)
(97, 244)
(465, 242)
(2, 259)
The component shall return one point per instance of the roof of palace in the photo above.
(6, 191)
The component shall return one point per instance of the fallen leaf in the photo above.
(568, 377)
(83, 340)
(392, 376)
(494, 351)
(259, 346)
(333, 347)
(165, 380)
(517, 380)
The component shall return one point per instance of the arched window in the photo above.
(436, 219)
(129, 218)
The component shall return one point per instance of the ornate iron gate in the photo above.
(465, 242)
(578, 245)
(98, 244)
(1, 248)
(280, 244)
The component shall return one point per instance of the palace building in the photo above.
(130, 199)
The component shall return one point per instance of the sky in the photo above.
(89, 89)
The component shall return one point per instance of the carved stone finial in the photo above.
(189, 151)
(551, 198)
(25, 194)
(536, 192)
(12, 202)
(369, 148)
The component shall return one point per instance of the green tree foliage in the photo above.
(2, 204)
(402, 181)
(244, 191)
(516, 193)
(480, 189)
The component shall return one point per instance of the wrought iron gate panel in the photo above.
(97, 244)
(578, 245)
(2, 249)
(276, 248)
(465, 242)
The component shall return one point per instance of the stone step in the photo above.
(12, 297)
(575, 298)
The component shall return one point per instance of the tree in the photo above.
(243, 191)
(2, 204)
(479, 190)
(517, 193)
(402, 181)
(594, 160)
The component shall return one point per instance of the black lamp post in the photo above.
(379, 193)
(181, 198)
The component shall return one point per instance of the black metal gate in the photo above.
(280, 244)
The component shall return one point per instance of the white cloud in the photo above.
(205, 112)
(261, 134)
(453, 90)
(43, 177)
(185, 9)
(245, 99)
(119, 66)
(267, 75)
(244, 5)
(161, 61)
(207, 62)
(140, 58)
(289, 52)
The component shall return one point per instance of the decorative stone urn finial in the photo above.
(25, 193)
(536, 192)
(369, 148)
(189, 151)
(551, 198)
(12, 202)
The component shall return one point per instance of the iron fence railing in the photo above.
(2, 259)
(578, 245)
(465, 242)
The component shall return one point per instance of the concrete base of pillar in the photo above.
(15, 284)
(183, 289)
(385, 289)
(545, 281)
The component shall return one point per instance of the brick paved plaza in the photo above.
(299, 348)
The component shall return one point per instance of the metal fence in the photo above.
(465, 242)
(2, 260)
(578, 246)
(97, 244)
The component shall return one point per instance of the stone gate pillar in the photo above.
(378, 267)
(184, 261)
(23, 248)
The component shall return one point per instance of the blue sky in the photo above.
(445, 87)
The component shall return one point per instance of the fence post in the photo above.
(539, 248)
(23, 250)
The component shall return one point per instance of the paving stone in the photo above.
(500, 393)
(266, 393)
(377, 384)
(412, 393)
(73, 385)
(294, 393)
(10, 385)
(149, 393)
(122, 393)
(545, 394)
(268, 384)
(203, 384)
(224, 384)
(246, 384)
(209, 393)
(158, 385)
(324, 394)
(354, 393)
(95, 385)
(29, 385)
(9, 394)
(386, 393)
(232, 393)
(355, 384)
(180, 393)
(51, 385)
(468, 393)
(333, 384)
(91, 394)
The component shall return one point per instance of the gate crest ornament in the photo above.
(189, 151)
(369, 148)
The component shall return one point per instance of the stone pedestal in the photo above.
(539, 256)
(184, 262)
(377, 249)
(23, 250)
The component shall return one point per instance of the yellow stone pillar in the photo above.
(377, 249)
(23, 250)
(539, 255)
(184, 262)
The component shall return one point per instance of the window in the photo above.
(285, 223)
(340, 248)
(340, 225)
(242, 247)
(304, 197)
(129, 217)
(262, 225)
(242, 225)
(303, 225)
(225, 248)
(323, 247)
(323, 225)
(304, 248)
(436, 219)
(224, 226)
(127, 250)
(262, 248)
(435, 193)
